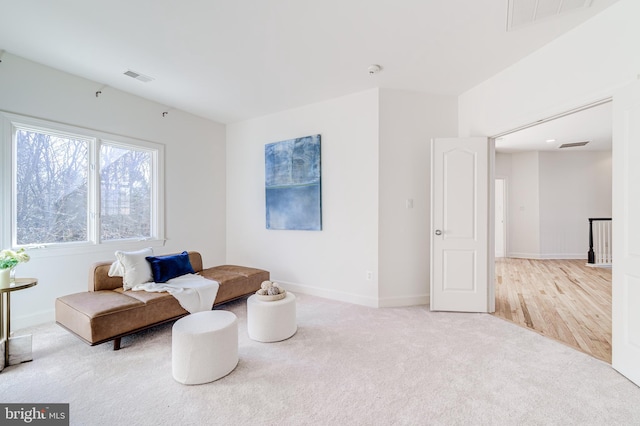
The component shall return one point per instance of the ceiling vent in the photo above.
(573, 145)
(138, 76)
(525, 12)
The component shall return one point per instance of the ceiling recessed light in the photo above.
(551, 140)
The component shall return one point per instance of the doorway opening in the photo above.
(541, 280)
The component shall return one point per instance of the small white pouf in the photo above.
(271, 321)
(204, 347)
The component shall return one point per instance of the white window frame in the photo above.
(10, 122)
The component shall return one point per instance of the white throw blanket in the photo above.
(193, 292)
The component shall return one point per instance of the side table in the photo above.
(5, 311)
(271, 321)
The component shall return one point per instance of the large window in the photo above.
(125, 192)
(51, 187)
(74, 186)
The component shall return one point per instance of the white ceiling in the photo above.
(593, 125)
(229, 60)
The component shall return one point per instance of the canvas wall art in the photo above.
(292, 184)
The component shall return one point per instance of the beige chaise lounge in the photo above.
(108, 312)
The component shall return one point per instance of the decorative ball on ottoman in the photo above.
(272, 291)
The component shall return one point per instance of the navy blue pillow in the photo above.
(164, 268)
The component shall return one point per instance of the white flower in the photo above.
(10, 258)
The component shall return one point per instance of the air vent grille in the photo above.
(525, 12)
(138, 76)
(573, 145)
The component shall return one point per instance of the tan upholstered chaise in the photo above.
(108, 312)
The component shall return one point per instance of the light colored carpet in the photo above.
(346, 365)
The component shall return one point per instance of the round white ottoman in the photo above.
(271, 321)
(204, 347)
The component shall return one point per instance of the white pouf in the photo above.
(271, 321)
(204, 346)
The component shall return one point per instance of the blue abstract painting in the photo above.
(292, 184)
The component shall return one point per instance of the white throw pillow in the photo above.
(116, 269)
(136, 268)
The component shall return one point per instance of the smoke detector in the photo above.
(374, 69)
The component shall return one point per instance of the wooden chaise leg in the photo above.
(116, 343)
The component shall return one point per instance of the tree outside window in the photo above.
(125, 193)
(51, 188)
(57, 190)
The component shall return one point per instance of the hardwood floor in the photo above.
(561, 299)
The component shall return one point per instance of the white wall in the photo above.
(524, 206)
(375, 156)
(329, 263)
(194, 174)
(408, 121)
(551, 195)
(503, 164)
(585, 65)
(574, 186)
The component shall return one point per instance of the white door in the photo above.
(460, 222)
(500, 217)
(626, 233)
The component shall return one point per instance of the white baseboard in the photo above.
(599, 265)
(330, 294)
(518, 255)
(398, 302)
(557, 256)
(387, 302)
(560, 256)
(32, 319)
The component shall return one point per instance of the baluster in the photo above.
(600, 250)
(590, 254)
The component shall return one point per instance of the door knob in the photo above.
(438, 232)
